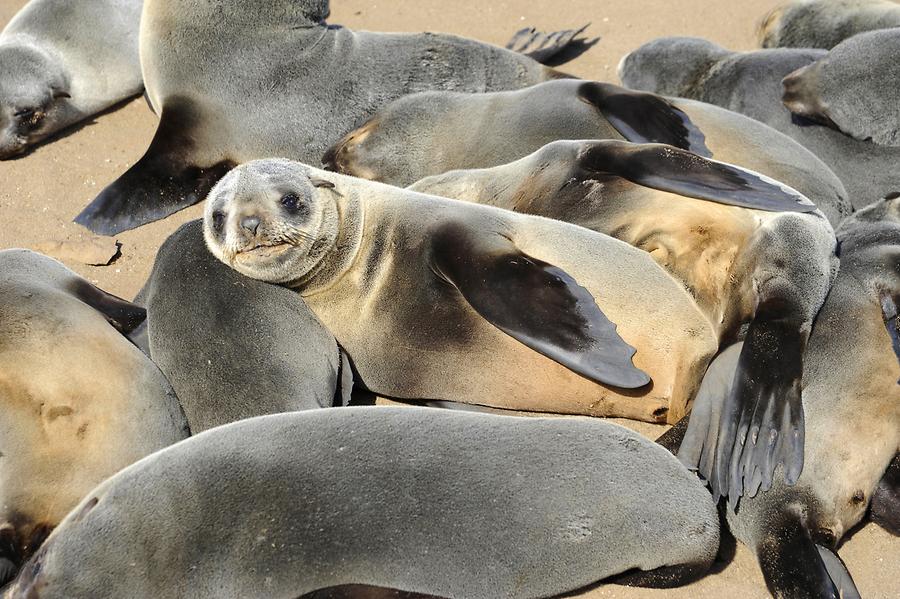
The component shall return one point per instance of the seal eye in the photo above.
(24, 113)
(29, 117)
(291, 202)
(218, 221)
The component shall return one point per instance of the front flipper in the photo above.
(643, 117)
(537, 303)
(164, 181)
(123, 315)
(885, 507)
(795, 566)
(670, 169)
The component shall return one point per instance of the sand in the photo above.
(41, 193)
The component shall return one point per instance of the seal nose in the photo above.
(250, 224)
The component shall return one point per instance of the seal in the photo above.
(434, 132)
(373, 495)
(226, 78)
(751, 83)
(233, 347)
(828, 90)
(62, 62)
(851, 398)
(79, 402)
(749, 252)
(824, 23)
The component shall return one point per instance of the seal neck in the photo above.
(340, 254)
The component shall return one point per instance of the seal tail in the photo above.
(551, 49)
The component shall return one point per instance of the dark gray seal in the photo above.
(430, 501)
(231, 346)
(824, 23)
(62, 62)
(750, 83)
(237, 81)
(78, 402)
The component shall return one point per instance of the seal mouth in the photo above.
(263, 251)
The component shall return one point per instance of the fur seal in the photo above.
(851, 398)
(79, 402)
(375, 496)
(435, 132)
(824, 23)
(750, 83)
(829, 90)
(745, 257)
(233, 347)
(62, 62)
(226, 79)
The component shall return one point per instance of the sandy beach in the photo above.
(42, 192)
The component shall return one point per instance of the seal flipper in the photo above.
(121, 314)
(643, 117)
(885, 506)
(551, 49)
(162, 182)
(536, 303)
(670, 169)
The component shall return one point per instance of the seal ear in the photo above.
(121, 314)
(537, 303)
(885, 506)
(164, 181)
(684, 173)
(643, 117)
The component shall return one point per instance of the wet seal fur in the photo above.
(829, 90)
(375, 495)
(79, 401)
(434, 132)
(751, 83)
(749, 250)
(231, 346)
(824, 23)
(435, 299)
(225, 78)
(62, 62)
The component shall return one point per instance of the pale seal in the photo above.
(824, 23)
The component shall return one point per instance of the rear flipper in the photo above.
(164, 181)
(795, 567)
(666, 577)
(551, 49)
(885, 506)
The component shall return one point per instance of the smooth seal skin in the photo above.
(62, 62)
(430, 501)
(233, 347)
(751, 83)
(434, 132)
(434, 299)
(824, 23)
(749, 250)
(236, 81)
(79, 402)
(853, 89)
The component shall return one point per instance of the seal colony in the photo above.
(563, 246)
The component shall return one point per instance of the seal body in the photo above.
(436, 299)
(231, 346)
(751, 83)
(236, 81)
(434, 132)
(824, 23)
(828, 90)
(374, 496)
(62, 62)
(79, 401)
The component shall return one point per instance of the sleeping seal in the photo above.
(62, 62)
(79, 402)
(829, 90)
(750, 83)
(401, 498)
(435, 132)
(233, 347)
(236, 81)
(851, 398)
(744, 257)
(824, 23)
